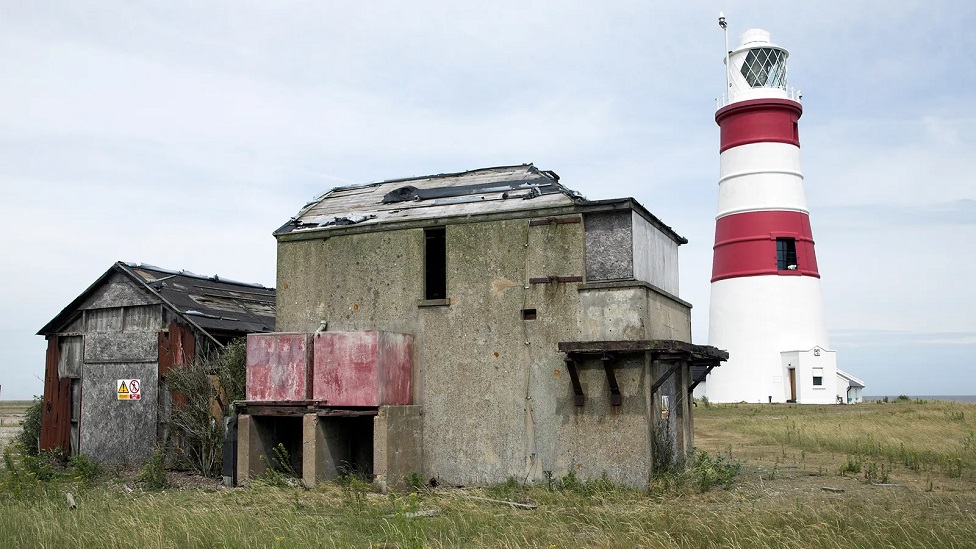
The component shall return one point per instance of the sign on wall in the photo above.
(128, 389)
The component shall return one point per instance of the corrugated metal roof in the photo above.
(488, 190)
(213, 303)
(216, 305)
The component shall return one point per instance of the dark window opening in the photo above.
(528, 314)
(818, 377)
(786, 254)
(435, 264)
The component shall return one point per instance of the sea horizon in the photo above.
(953, 398)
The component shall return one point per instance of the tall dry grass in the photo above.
(758, 510)
(937, 437)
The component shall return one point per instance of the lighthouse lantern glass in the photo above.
(765, 68)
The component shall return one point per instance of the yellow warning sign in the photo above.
(128, 389)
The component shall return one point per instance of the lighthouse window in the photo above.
(817, 377)
(786, 254)
(765, 68)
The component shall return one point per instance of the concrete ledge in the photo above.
(621, 284)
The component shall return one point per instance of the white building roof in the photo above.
(851, 380)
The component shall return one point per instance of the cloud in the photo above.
(183, 134)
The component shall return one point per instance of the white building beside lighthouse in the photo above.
(766, 307)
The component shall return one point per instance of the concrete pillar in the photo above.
(313, 450)
(251, 445)
(397, 445)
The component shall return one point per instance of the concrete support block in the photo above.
(397, 445)
(252, 443)
(312, 447)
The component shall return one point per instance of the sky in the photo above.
(181, 134)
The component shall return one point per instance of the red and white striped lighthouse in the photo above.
(766, 307)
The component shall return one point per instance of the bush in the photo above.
(221, 380)
(706, 471)
(45, 465)
(153, 475)
(30, 432)
(84, 468)
(232, 372)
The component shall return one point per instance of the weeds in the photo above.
(30, 428)
(414, 482)
(876, 472)
(709, 471)
(354, 488)
(280, 471)
(153, 475)
(853, 465)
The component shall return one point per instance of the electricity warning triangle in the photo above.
(123, 389)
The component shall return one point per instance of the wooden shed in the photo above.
(109, 350)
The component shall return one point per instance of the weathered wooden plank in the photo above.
(142, 318)
(103, 320)
(69, 356)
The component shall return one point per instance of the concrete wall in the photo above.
(497, 401)
(655, 255)
(609, 240)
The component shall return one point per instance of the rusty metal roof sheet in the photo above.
(488, 190)
(219, 307)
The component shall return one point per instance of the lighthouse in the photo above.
(766, 306)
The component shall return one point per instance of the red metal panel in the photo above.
(745, 244)
(56, 409)
(279, 367)
(345, 372)
(363, 368)
(396, 368)
(176, 348)
(759, 121)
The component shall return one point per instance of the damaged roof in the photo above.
(216, 305)
(485, 191)
(488, 190)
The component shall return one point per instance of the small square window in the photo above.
(786, 254)
(818, 377)
(528, 314)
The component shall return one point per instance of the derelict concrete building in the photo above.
(545, 333)
(135, 322)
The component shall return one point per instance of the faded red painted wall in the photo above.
(279, 367)
(363, 368)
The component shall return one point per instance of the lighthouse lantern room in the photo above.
(766, 307)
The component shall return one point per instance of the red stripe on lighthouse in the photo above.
(745, 244)
(759, 121)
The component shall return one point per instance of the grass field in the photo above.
(901, 474)
(11, 415)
